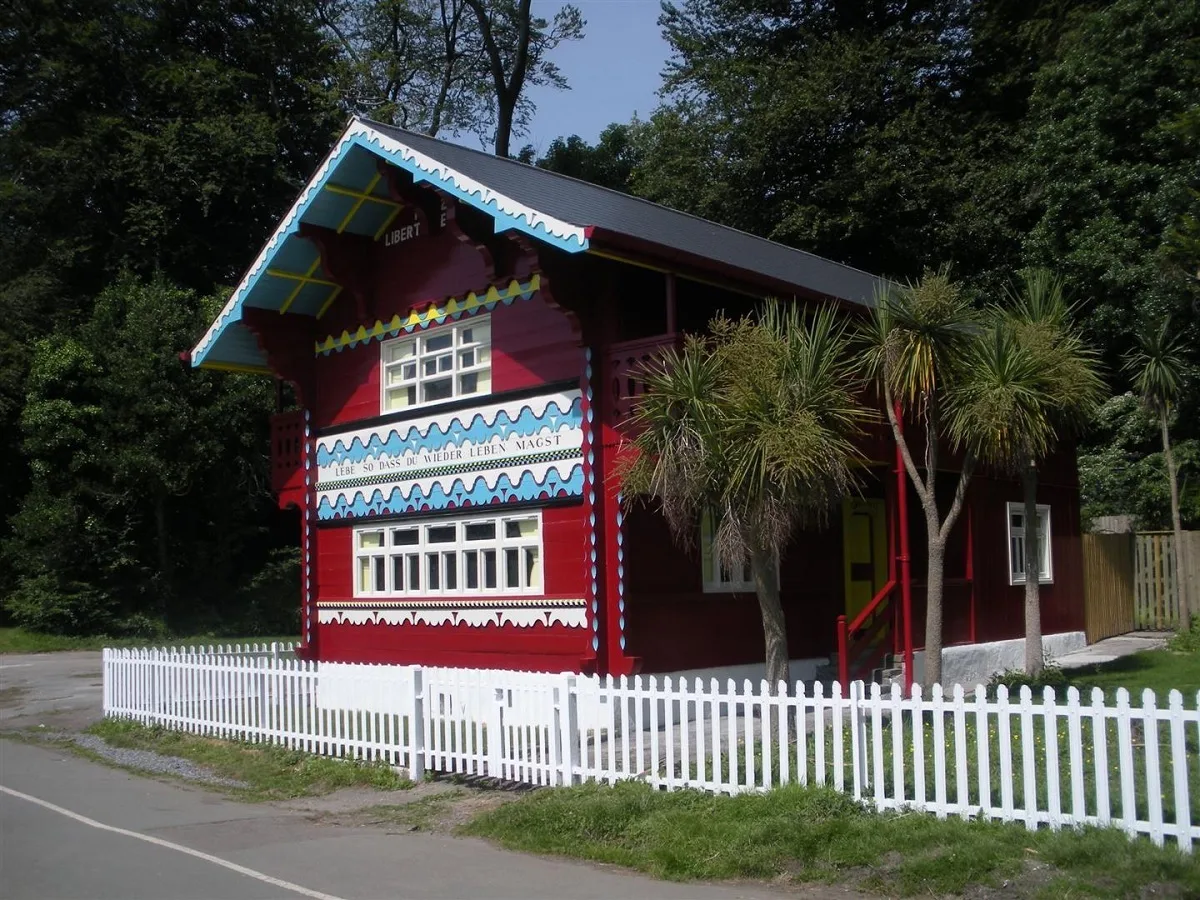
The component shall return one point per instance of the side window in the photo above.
(1017, 533)
(719, 579)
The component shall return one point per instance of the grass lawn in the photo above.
(270, 772)
(800, 835)
(19, 640)
(1160, 670)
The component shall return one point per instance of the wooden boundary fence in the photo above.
(1156, 606)
(1108, 585)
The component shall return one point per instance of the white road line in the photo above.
(16, 666)
(241, 870)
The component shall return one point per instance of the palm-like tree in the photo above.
(754, 426)
(915, 344)
(1157, 365)
(1029, 383)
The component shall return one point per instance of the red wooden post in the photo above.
(843, 653)
(905, 570)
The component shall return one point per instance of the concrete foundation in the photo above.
(974, 664)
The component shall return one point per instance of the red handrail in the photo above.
(846, 631)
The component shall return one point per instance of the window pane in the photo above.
(399, 398)
(441, 534)
(380, 574)
(364, 574)
(409, 371)
(398, 574)
(442, 389)
(450, 570)
(481, 531)
(405, 537)
(414, 573)
(445, 363)
(468, 384)
(439, 342)
(370, 539)
(1018, 555)
(435, 582)
(466, 359)
(430, 367)
(512, 567)
(489, 568)
(516, 528)
(1017, 520)
(471, 561)
(533, 568)
(400, 350)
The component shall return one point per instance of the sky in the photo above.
(613, 72)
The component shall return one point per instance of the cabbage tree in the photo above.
(754, 425)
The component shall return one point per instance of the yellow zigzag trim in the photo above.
(451, 307)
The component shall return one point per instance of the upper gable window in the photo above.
(438, 364)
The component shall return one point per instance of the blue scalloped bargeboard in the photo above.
(527, 488)
(434, 438)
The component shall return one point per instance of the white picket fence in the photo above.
(1043, 762)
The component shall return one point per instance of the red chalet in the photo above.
(460, 330)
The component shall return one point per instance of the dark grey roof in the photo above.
(584, 204)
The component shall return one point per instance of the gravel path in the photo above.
(149, 761)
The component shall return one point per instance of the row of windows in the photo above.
(503, 555)
(496, 555)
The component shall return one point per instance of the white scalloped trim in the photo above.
(518, 614)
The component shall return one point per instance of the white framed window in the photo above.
(438, 364)
(450, 557)
(1016, 544)
(720, 579)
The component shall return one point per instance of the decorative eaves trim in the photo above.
(505, 211)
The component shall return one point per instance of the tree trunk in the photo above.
(1034, 660)
(766, 584)
(504, 123)
(934, 588)
(1185, 608)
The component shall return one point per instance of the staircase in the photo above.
(889, 671)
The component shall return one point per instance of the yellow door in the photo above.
(864, 549)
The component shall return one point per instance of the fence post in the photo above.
(569, 740)
(416, 726)
(858, 739)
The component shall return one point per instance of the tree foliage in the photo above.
(458, 66)
(755, 427)
(148, 480)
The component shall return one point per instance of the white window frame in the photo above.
(447, 564)
(1017, 533)
(715, 579)
(392, 365)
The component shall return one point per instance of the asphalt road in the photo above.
(120, 836)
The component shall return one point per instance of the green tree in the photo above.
(1108, 168)
(1158, 370)
(609, 163)
(149, 480)
(446, 65)
(915, 345)
(166, 137)
(755, 427)
(1029, 384)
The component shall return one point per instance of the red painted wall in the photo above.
(533, 343)
(672, 624)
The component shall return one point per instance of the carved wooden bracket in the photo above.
(346, 258)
